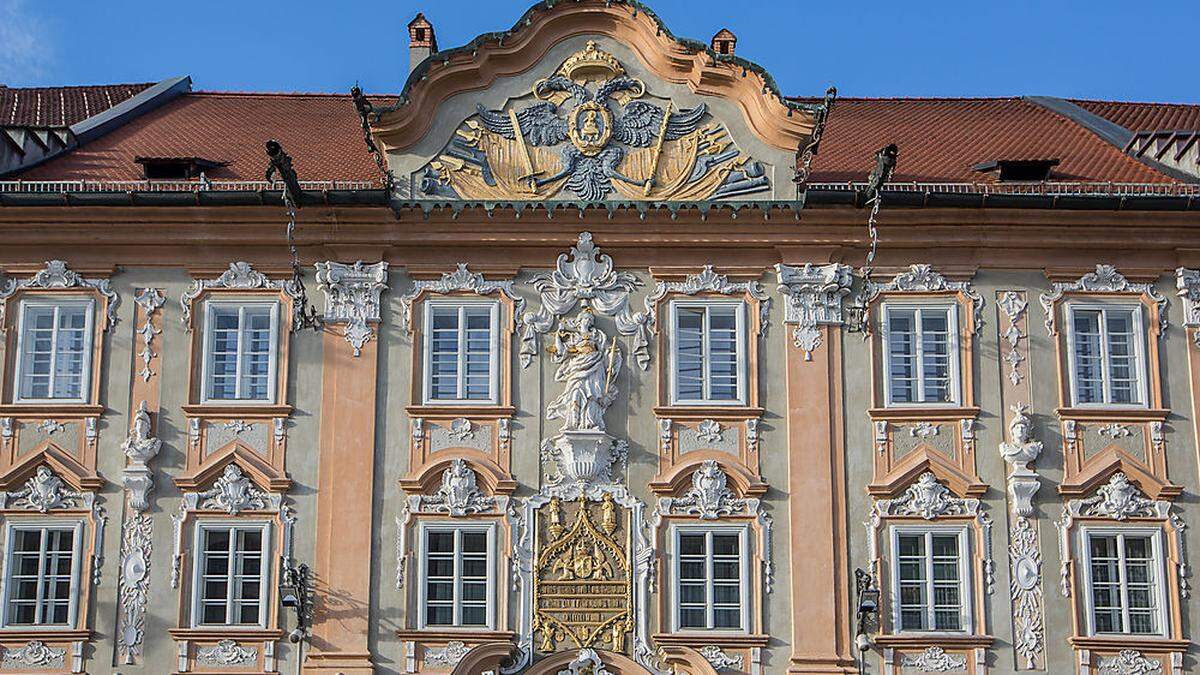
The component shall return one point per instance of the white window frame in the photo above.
(965, 578)
(1141, 366)
(266, 594)
(493, 352)
(11, 527)
(741, 344)
(488, 528)
(1155, 534)
(85, 388)
(745, 569)
(272, 360)
(953, 345)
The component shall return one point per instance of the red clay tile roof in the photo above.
(1146, 116)
(941, 139)
(321, 132)
(60, 106)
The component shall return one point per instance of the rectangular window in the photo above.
(55, 351)
(240, 356)
(1106, 347)
(457, 582)
(41, 575)
(930, 580)
(710, 579)
(708, 341)
(1124, 573)
(231, 575)
(921, 354)
(461, 348)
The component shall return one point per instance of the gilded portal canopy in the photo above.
(591, 131)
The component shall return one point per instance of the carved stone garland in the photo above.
(814, 297)
(240, 276)
(1106, 279)
(45, 492)
(921, 278)
(586, 277)
(1013, 304)
(352, 298)
(930, 500)
(1120, 499)
(56, 274)
(1024, 550)
(150, 300)
(934, 660)
(137, 538)
(461, 279)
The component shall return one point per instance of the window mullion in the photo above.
(710, 581)
(918, 353)
(458, 577)
(40, 594)
(706, 353)
(1124, 584)
(931, 614)
(461, 358)
(1105, 364)
(238, 353)
(52, 386)
(230, 576)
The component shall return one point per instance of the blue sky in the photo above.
(1123, 50)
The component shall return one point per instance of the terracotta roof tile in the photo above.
(1146, 116)
(60, 106)
(941, 139)
(320, 131)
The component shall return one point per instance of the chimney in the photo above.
(421, 41)
(724, 42)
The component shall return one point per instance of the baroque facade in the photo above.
(592, 376)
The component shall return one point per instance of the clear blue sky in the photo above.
(1139, 50)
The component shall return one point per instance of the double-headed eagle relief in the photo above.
(593, 137)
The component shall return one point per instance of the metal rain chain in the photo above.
(281, 163)
(885, 164)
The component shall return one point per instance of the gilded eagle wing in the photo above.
(640, 123)
(540, 123)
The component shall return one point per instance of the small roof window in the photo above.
(176, 168)
(1018, 170)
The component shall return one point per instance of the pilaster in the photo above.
(346, 473)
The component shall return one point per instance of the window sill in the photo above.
(1139, 642)
(64, 410)
(959, 640)
(44, 633)
(1121, 413)
(702, 411)
(919, 411)
(226, 632)
(236, 409)
(443, 634)
(696, 637)
(444, 410)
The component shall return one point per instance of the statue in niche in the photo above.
(588, 363)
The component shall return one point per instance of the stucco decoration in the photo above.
(587, 662)
(459, 433)
(815, 294)
(1013, 304)
(929, 499)
(1130, 662)
(586, 277)
(934, 660)
(1119, 500)
(150, 300)
(1025, 585)
(446, 657)
(140, 447)
(1188, 283)
(34, 654)
(239, 276)
(57, 274)
(233, 493)
(708, 281)
(459, 494)
(921, 278)
(461, 279)
(709, 497)
(1106, 279)
(226, 653)
(136, 550)
(719, 659)
(352, 298)
(44, 491)
(593, 132)
(1019, 452)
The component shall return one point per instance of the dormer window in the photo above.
(1018, 170)
(176, 168)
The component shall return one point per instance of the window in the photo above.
(1123, 578)
(42, 575)
(930, 576)
(231, 575)
(54, 352)
(708, 353)
(240, 341)
(921, 354)
(457, 584)
(461, 352)
(1106, 348)
(711, 579)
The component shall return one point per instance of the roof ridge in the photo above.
(1151, 103)
(81, 86)
(841, 98)
(282, 94)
